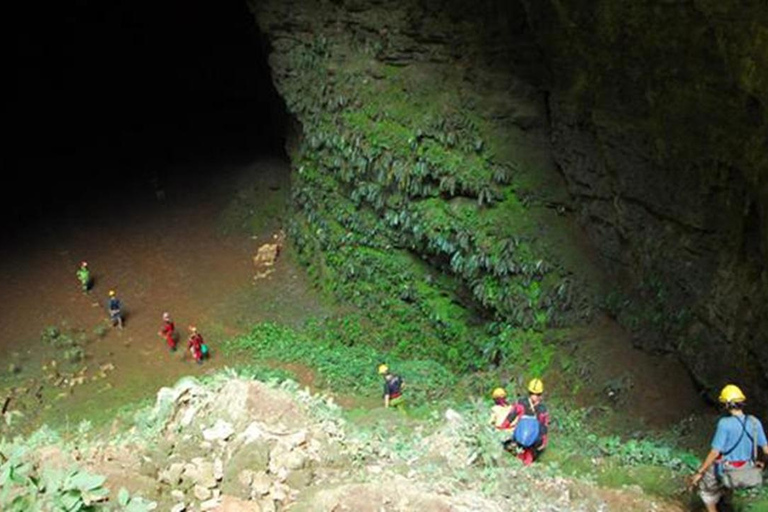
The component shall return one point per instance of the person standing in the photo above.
(168, 331)
(733, 450)
(393, 387)
(115, 309)
(84, 276)
(195, 344)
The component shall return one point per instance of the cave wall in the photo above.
(428, 128)
(424, 188)
(659, 117)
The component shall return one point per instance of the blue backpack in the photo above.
(527, 431)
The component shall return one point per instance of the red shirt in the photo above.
(167, 329)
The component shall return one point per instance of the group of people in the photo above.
(525, 423)
(195, 342)
(732, 462)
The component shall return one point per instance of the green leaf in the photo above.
(86, 481)
(123, 497)
(71, 500)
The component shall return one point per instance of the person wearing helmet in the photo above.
(529, 415)
(195, 344)
(115, 309)
(733, 449)
(168, 331)
(393, 387)
(500, 409)
(84, 276)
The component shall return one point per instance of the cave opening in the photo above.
(119, 101)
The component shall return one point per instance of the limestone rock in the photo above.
(220, 431)
(201, 493)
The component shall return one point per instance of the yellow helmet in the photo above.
(731, 394)
(499, 393)
(111, 293)
(383, 369)
(536, 386)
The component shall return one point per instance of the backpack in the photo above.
(527, 431)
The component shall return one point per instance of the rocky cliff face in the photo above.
(439, 119)
(660, 127)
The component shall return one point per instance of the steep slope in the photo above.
(236, 444)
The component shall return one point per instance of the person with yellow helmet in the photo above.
(732, 460)
(500, 409)
(393, 387)
(529, 421)
(115, 309)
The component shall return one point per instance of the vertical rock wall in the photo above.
(657, 120)
(659, 116)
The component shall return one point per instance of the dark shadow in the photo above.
(113, 97)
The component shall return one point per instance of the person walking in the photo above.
(115, 309)
(732, 460)
(84, 276)
(168, 331)
(196, 344)
(393, 388)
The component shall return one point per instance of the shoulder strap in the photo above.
(754, 439)
(743, 431)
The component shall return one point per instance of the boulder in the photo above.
(220, 431)
(201, 493)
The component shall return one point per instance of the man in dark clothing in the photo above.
(115, 310)
(393, 387)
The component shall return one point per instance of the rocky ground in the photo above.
(235, 444)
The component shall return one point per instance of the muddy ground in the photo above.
(185, 246)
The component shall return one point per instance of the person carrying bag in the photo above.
(732, 461)
(744, 474)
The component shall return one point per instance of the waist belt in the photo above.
(735, 463)
(394, 395)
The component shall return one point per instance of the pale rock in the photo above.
(210, 504)
(297, 439)
(202, 474)
(245, 477)
(172, 475)
(261, 483)
(267, 505)
(218, 469)
(177, 495)
(179, 507)
(252, 432)
(188, 416)
(280, 492)
(454, 417)
(220, 431)
(201, 493)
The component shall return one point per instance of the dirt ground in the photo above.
(188, 254)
